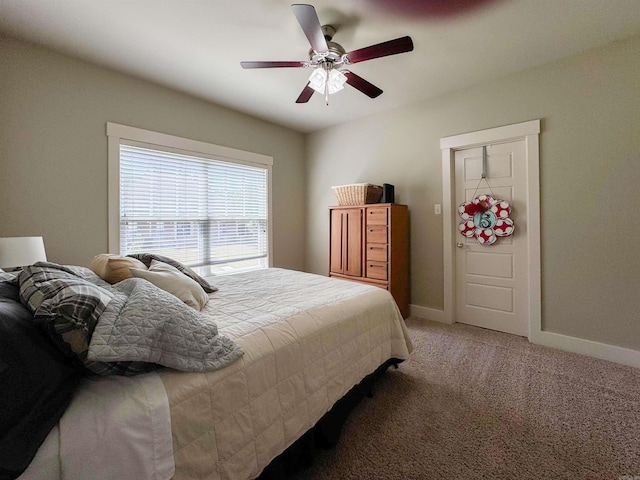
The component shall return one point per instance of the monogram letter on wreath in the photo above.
(485, 217)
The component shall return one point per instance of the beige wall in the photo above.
(589, 172)
(53, 150)
(53, 163)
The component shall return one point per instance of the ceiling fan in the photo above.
(329, 59)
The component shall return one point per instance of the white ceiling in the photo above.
(196, 46)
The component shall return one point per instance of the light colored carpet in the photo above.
(477, 404)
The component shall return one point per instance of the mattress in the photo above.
(307, 340)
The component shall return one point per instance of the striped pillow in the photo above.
(147, 258)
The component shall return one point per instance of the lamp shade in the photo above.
(332, 80)
(21, 251)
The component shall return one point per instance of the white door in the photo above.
(491, 280)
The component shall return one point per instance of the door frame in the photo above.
(529, 132)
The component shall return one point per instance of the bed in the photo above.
(305, 342)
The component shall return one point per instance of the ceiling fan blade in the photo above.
(308, 20)
(361, 84)
(391, 47)
(271, 64)
(305, 95)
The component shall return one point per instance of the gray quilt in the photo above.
(145, 323)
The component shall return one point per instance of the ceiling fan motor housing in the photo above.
(328, 31)
(335, 52)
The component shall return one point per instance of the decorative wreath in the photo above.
(486, 219)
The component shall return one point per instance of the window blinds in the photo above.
(200, 211)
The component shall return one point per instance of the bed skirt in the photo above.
(326, 433)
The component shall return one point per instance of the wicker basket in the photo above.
(358, 194)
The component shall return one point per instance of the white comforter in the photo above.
(307, 340)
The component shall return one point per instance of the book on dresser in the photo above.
(370, 244)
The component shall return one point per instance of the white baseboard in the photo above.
(428, 313)
(612, 353)
(603, 351)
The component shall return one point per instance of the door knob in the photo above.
(459, 244)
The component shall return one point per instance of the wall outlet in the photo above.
(437, 209)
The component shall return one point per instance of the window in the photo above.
(204, 205)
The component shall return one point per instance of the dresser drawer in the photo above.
(376, 234)
(377, 215)
(377, 270)
(377, 252)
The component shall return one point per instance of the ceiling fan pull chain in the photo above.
(326, 83)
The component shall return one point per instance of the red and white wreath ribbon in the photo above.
(486, 219)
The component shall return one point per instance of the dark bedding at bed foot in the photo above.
(36, 384)
(325, 433)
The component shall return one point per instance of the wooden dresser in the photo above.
(370, 244)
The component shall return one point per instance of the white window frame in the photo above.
(118, 134)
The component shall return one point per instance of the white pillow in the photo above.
(172, 280)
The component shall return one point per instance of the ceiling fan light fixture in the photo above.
(323, 81)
